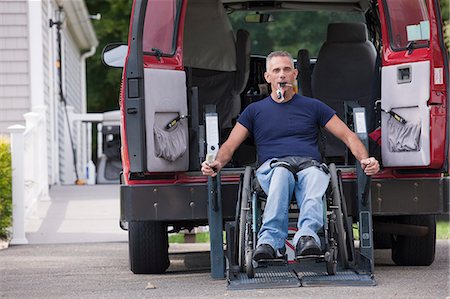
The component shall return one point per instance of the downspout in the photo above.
(84, 57)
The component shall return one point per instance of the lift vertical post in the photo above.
(214, 196)
(366, 258)
(215, 227)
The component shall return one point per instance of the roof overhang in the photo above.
(79, 23)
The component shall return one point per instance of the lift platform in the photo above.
(303, 274)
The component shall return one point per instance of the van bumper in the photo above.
(189, 202)
(413, 196)
(174, 203)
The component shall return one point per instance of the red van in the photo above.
(185, 57)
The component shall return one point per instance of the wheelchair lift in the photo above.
(310, 272)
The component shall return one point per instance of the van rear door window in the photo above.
(291, 30)
(408, 24)
(161, 20)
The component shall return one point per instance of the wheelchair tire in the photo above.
(249, 269)
(245, 197)
(344, 233)
(332, 264)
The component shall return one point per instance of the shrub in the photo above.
(5, 187)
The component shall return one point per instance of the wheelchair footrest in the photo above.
(271, 262)
(310, 257)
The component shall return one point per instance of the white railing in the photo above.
(29, 169)
(82, 123)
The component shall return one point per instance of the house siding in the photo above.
(48, 89)
(29, 78)
(14, 57)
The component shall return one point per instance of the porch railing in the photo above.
(29, 169)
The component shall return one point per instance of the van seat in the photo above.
(223, 88)
(345, 71)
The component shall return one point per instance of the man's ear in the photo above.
(267, 77)
(296, 73)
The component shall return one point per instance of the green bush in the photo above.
(5, 187)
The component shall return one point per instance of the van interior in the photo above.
(335, 50)
(336, 45)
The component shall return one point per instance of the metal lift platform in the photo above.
(308, 273)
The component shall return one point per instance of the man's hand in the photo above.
(370, 166)
(212, 168)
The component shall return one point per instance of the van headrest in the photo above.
(347, 33)
(209, 41)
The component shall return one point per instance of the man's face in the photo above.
(281, 70)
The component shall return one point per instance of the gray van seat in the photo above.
(218, 61)
(345, 71)
(223, 88)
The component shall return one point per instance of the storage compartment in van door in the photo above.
(166, 123)
(405, 119)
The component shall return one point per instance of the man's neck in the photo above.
(287, 96)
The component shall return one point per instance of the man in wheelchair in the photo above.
(285, 127)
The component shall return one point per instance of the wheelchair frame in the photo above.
(336, 234)
(355, 266)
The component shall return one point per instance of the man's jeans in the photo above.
(279, 185)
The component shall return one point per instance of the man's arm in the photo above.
(339, 129)
(237, 136)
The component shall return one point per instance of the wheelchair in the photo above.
(336, 235)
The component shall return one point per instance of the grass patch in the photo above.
(442, 232)
(199, 238)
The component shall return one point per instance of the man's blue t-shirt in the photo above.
(286, 129)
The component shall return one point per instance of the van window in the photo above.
(291, 30)
(408, 23)
(161, 18)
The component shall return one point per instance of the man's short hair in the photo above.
(278, 54)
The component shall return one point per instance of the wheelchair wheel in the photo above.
(249, 269)
(244, 198)
(331, 262)
(343, 228)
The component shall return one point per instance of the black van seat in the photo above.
(345, 71)
(304, 73)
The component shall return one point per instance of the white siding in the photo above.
(29, 78)
(14, 80)
(72, 71)
(48, 88)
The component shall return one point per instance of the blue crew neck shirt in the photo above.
(286, 129)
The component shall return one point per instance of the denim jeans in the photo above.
(279, 185)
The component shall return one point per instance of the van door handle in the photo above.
(404, 75)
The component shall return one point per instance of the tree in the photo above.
(103, 83)
(445, 9)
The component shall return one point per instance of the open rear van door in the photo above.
(154, 94)
(414, 85)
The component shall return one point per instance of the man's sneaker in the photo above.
(263, 252)
(307, 246)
